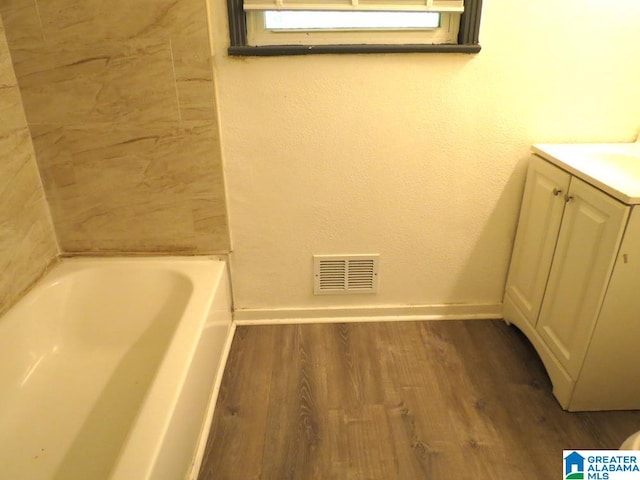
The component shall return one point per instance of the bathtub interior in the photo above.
(88, 346)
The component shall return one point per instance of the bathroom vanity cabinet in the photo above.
(576, 258)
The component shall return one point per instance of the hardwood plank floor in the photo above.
(394, 401)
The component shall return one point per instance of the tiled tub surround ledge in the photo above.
(111, 367)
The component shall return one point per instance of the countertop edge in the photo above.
(543, 150)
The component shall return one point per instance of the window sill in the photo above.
(276, 50)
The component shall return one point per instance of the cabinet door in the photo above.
(540, 217)
(609, 379)
(588, 242)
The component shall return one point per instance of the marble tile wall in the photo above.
(119, 97)
(27, 240)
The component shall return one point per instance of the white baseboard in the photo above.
(260, 316)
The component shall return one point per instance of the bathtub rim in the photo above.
(198, 457)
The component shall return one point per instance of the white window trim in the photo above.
(257, 35)
(354, 5)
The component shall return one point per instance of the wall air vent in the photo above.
(345, 274)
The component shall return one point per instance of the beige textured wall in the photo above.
(27, 239)
(120, 100)
(418, 157)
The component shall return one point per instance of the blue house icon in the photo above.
(573, 460)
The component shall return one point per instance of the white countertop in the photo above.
(612, 167)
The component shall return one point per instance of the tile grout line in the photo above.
(175, 80)
(44, 37)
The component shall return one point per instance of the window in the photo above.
(292, 27)
(295, 27)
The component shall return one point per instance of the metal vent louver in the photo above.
(345, 274)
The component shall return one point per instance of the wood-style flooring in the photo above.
(450, 400)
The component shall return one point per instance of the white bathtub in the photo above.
(110, 367)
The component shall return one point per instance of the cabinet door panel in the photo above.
(540, 216)
(609, 379)
(589, 237)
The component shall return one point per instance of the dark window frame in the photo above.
(467, 38)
